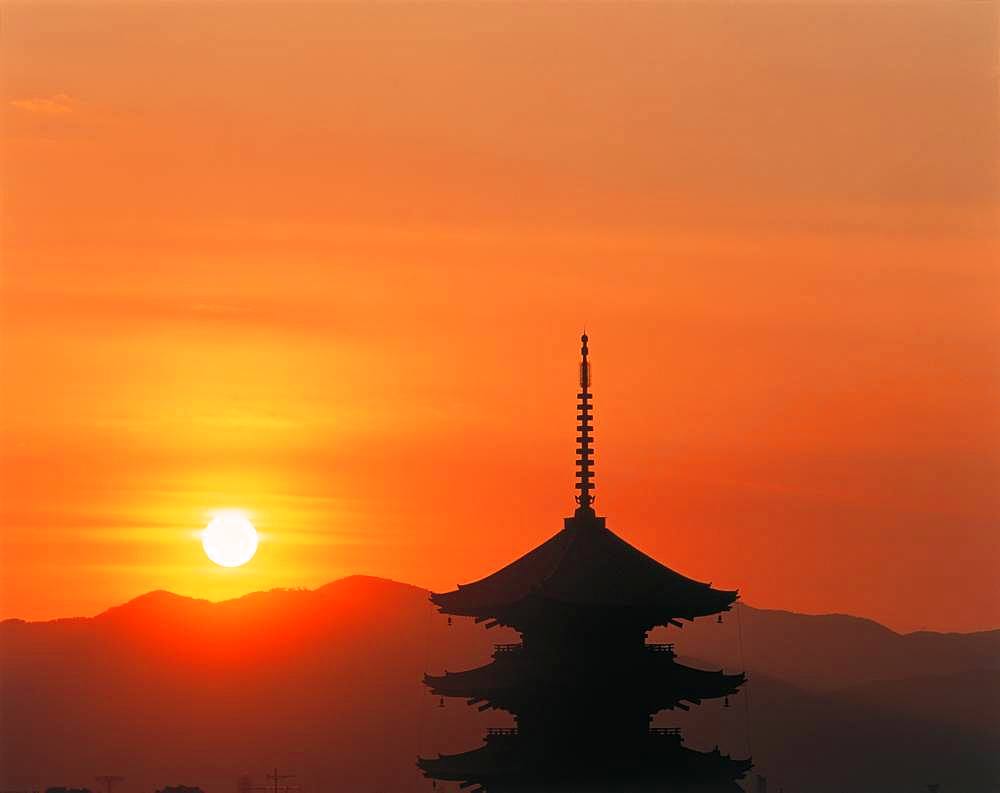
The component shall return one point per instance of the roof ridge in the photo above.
(562, 556)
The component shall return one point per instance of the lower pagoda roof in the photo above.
(586, 564)
(663, 759)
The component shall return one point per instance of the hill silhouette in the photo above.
(170, 690)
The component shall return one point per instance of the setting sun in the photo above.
(230, 540)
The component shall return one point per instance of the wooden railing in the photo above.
(493, 731)
(674, 731)
(507, 648)
(660, 648)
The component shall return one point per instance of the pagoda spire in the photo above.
(585, 461)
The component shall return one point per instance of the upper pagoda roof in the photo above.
(587, 564)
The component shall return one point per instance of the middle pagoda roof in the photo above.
(587, 565)
(663, 682)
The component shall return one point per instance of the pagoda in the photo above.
(583, 684)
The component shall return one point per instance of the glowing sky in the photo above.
(329, 264)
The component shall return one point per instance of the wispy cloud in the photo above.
(56, 105)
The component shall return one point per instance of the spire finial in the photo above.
(584, 462)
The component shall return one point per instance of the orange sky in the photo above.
(329, 263)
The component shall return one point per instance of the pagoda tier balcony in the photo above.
(506, 761)
(653, 680)
(501, 734)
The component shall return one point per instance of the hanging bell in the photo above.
(719, 620)
(434, 783)
(449, 622)
(725, 702)
(441, 702)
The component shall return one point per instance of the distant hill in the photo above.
(170, 690)
(831, 651)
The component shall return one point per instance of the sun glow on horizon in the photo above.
(230, 539)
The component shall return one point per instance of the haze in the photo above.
(329, 263)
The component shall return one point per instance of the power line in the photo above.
(746, 685)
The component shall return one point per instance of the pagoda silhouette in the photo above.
(583, 684)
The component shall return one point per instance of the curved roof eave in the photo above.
(587, 565)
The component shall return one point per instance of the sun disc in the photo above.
(230, 540)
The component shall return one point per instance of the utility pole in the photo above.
(277, 780)
(109, 781)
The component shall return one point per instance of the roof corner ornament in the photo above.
(585, 461)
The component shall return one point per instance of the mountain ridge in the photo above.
(158, 595)
(166, 688)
